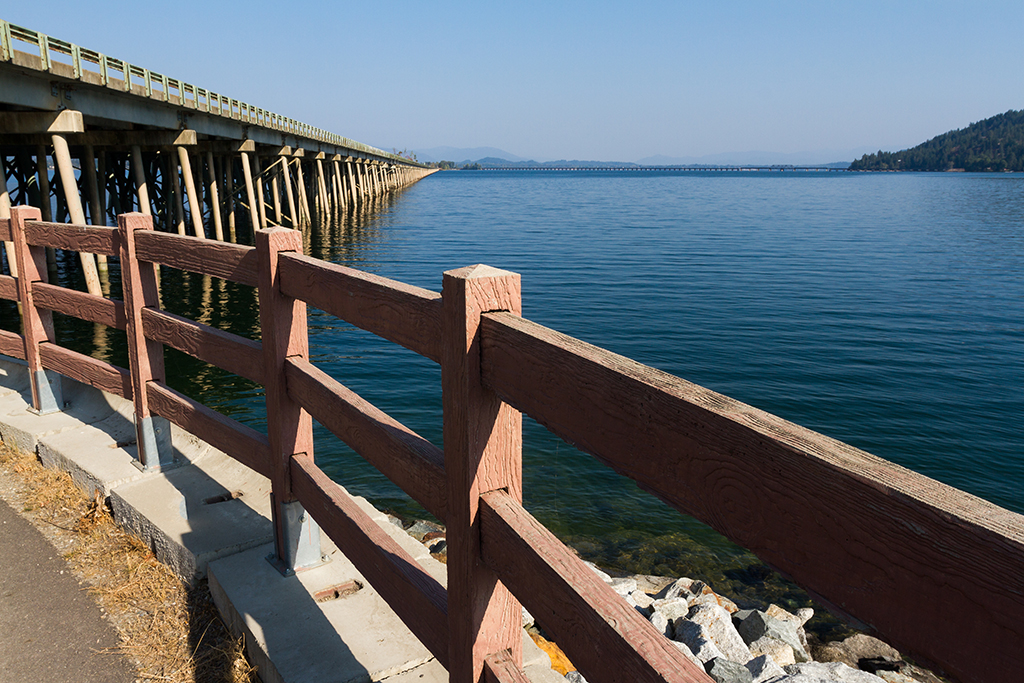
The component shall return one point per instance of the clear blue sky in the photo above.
(584, 80)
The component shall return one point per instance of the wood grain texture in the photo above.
(5, 230)
(233, 262)
(244, 444)
(12, 344)
(483, 440)
(36, 323)
(897, 550)
(238, 355)
(499, 668)
(398, 312)
(93, 240)
(8, 287)
(415, 596)
(80, 305)
(138, 280)
(402, 455)
(608, 639)
(284, 335)
(87, 370)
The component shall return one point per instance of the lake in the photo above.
(885, 310)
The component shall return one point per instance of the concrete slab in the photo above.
(293, 638)
(103, 455)
(199, 513)
(22, 429)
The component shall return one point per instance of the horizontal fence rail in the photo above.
(889, 547)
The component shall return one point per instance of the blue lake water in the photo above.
(885, 310)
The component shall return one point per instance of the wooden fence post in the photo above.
(483, 441)
(145, 356)
(37, 324)
(289, 427)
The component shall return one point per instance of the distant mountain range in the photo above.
(491, 157)
(994, 144)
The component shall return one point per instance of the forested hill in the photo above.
(995, 144)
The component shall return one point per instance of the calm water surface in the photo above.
(885, 310)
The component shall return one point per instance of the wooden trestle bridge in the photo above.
(935, 570)
(123, 138)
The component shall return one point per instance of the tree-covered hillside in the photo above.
(995, 144)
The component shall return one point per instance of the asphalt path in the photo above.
(50, 627)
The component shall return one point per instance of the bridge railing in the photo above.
(909, 557)
(68, 60)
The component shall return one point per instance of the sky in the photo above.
(611, 81)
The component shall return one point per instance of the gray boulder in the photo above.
(725, 671)
(817, 672)
(763, 668)
(721, 630)
(575, 677)
(695, 637)
(755, 625)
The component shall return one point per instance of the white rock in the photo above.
(641, 599)
(720, 629)
(804, 614)
(604, 577)
(672, 609)
(575, 677)
(895, 677)
(816, 672)
(527, 618)
(688, 653)
(763, 668)
(661, 622)
(680, 588)
(778, 651)
(696, 637)
(623, 586)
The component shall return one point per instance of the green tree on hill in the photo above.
(995, 144)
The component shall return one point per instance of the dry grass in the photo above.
(169, 631)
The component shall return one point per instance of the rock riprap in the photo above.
(749, 645)
(736, 645)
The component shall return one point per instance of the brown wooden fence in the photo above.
(934, 570)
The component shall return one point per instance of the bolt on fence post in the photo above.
(289, 427)
(145, 356)
(37, 323)
(483, 441)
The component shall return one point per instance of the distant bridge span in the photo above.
(665, 168)
(124, 138)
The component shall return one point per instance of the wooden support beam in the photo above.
(289, 193)
(145, 356)
(194, 206)
(218, 226)
(142, 190)
(74, 200)
(289, 426)
(482, 452)
(250, 193)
